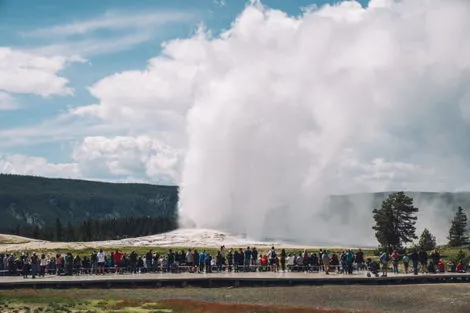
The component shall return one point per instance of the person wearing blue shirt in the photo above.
(202, 261)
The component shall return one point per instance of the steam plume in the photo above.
(289, 109)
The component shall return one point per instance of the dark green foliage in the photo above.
(106, 229)
(458, 235)
(69, 233)
(427, 241)
(36, 232)
(58, 230)
(395, 221)
(86, 231)
(27, 201)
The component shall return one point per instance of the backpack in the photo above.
(385, 258)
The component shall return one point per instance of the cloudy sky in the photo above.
(358, 96)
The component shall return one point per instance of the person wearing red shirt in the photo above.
(395, 258)
(440, 266)
(117, 257)
(264, 262)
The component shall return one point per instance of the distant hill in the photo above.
(38, 201)
(354, 211)
(348, 219)
(27, 201)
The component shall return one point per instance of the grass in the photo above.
(443, 298)
(10, 240)
(34, 303)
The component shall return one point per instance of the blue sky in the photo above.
(129, 90)
(30, 25)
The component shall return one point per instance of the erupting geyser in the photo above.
(289, 109)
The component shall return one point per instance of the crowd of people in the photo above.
(225, 260)
(420, 261)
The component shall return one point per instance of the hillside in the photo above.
(30, 201)
(35, 202)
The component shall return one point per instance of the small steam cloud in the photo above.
(341, 99)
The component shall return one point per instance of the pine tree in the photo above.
(85, 230)
(36, 234)
(58, 230)
(427, 241)
(461, 255)
(458, 235)
(395, 221)
(70, 233)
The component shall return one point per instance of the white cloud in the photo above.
(124, 159)
(113, 21)
(28, 165)
(125, 30)
(94, 46)
(156, 98)
(24, 72)
(128, 157)
(7, 102)
(219, 3)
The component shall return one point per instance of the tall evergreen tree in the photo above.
(86, 230)
(458, 235)
(36, 234)
(427, 241)
(58, 230)
(395, 221)
(70, 233)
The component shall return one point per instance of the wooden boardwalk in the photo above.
(222, 280)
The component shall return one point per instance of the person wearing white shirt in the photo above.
(101, 260)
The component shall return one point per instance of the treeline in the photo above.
(27, 201)
(94, 230)
(395, 222)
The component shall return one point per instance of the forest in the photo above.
(33, 206)
(99, 229)
(67, 209)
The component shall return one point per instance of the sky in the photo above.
(344, 97)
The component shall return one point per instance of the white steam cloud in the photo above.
(286, 108)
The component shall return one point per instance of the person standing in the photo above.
(202, 261)
(349, 258)
(101, 260)
(43, 263)
(25, 265)
(254, 256)
(34, 265)
(360, 259)
(406, 263)
(415, 260)
(94, 262)
(326, 262)
(423, 259)
(384, 259)
(283, 260)
(133, 262)
(395, 259)
(247, 259)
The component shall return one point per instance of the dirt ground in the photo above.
(439, 298)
